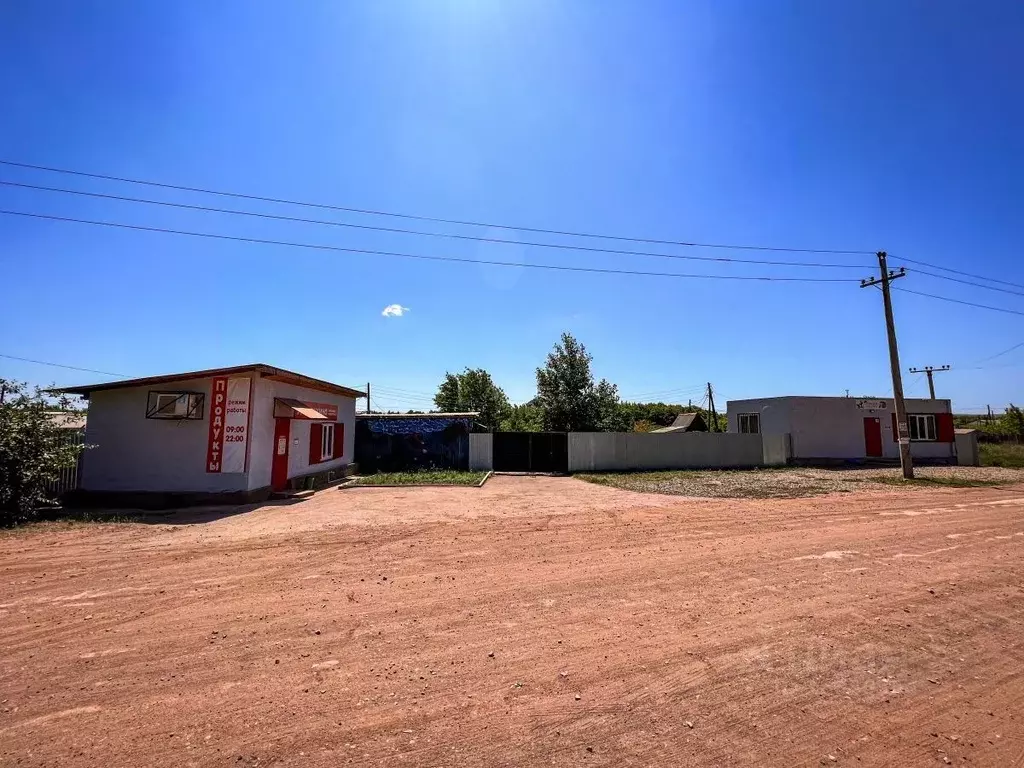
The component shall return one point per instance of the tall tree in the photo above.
(570, 399)
(33, 450)
(473, 390)
(527, 417)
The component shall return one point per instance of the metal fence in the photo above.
(67, 480)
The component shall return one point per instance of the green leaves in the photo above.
(473, 390)
(568, 397)
(34, 448)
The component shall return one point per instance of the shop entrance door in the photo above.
(872, 437)
(279, 467)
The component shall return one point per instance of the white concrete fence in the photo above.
(627, 451)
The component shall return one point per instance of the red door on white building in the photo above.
(872, 436)
(279, 467)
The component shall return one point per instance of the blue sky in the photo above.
(867, 125)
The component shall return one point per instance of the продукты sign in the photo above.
(229, 424)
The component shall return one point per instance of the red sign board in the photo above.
(328, 410)
(215, 442)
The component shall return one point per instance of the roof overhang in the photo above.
(289, 408)
(267, 371)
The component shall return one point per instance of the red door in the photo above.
(872, 436)
(279, 469)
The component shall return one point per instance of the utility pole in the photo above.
(903, 429)
(928, 371)
(368, 397)
(989, 413)
(711, 406)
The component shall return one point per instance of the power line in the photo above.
(403, 391)
(966, 282)
(320, 247)
(958, 301)
(61, 365)
(434, 219)
(661, 393)
(958, 272)
(1000, 354)
(399, 230)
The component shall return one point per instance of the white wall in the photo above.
(622, 451)
(481, 451)
(261, 450)
(967, 450)
(833, 427)
(133, 453)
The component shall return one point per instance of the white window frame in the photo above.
(744, 422)
(923, 427)
(170, 398)
(187, 405)
(327, 442)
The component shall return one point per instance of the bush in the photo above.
(33, 450)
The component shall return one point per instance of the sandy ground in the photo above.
(532, 622)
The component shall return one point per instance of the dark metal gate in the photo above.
(531, 452)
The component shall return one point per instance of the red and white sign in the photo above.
(328, 410)
(229, 424)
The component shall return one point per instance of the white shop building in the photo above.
(225, 434)
(848, 428)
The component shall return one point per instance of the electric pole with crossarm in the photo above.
(903, 429)
(929, 370)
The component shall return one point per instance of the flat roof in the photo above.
(464, 415)
(270, 371)
(827, 397)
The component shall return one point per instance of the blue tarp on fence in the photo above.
(423, 442)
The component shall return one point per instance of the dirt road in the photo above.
(544, 622)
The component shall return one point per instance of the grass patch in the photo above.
(1002, 455)
(429, 477)
(937, 482)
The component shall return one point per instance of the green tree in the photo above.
(1013, 421)
(523, 418)
(473, 390)
(33, 450)
(568, 396)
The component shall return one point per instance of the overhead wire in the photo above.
(958, 272)
(399, 230)
(1000, 354)
(374, 252)
(62, 365)
(958, 301)
(435, 219)
(965, 282)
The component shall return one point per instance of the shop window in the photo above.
(175, 405)
(750, 423)
(922, 426)
(327, 442)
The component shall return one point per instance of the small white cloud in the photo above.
(394, 310)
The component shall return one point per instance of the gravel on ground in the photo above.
(795, 482)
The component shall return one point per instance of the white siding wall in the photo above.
(602, 451)
(133, 453)
(833, 427)
(261, 456)
(481, 452)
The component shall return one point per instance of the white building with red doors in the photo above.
(848, 428)
(226, 434)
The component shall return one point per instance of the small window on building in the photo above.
(922, 426)
(175, 405)
(327, 443)
(750, 423)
